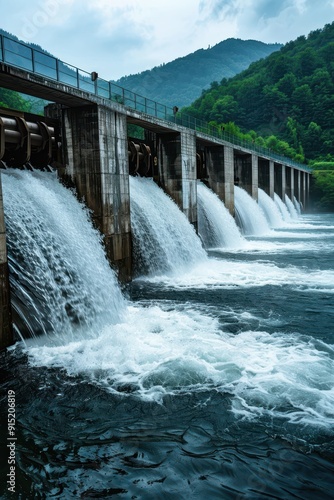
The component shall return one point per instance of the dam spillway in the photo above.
(85, 137)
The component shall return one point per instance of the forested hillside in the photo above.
(181, 81)
(290, 94)
(284, 102)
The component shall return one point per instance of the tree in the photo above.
(13, 100)
(225, 109)
(312, 137)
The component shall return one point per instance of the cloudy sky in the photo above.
(122, 37)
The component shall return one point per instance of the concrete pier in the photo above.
(177, 170)
(96, 158)
(255, 177)
(219, 168)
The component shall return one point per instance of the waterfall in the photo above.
(282, 208)
(216, 225)
(249, 214)
(164, 240)
(61, 282)
(291, 207)
(270, 209)
(297, 205)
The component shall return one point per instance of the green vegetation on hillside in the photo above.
(288, 95)
(180, 82)
(323, 185)
(284, 102)
(13, 100)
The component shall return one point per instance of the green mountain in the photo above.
(171, 83)
(180, 82)
(288, 95)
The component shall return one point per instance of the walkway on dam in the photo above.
(14, 54)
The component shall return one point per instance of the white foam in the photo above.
(226, 274)
(156, 352)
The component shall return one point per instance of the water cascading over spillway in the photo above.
(216, 226)
(60, 279)
(270, 209)
(291, 207)
(297, 205)
(248, 213)
(164, 240)
(282, 208)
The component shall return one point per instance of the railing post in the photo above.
(33, 60)
(57, 70)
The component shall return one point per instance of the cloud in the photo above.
(120, 37)
(269, 21)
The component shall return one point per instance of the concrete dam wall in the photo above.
(90, 147)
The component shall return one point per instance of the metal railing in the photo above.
(23, 56)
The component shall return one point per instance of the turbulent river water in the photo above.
(210, 376)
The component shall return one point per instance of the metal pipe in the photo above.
(19, 139)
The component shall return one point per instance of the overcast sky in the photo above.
(122, 37)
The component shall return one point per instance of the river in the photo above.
(210, 376)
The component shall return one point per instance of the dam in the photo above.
(97, 135)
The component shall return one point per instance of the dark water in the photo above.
(217, 383)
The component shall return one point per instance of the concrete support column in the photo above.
(177, 170)
(220, 171)
(97, 165)
(6, 330)
(189, 176)
(229, 179)
(255, 176)
(271, 179)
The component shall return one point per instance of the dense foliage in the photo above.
(284, 102)
(13, 100)
(289, 95)
(181, 81)
(323, 185)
